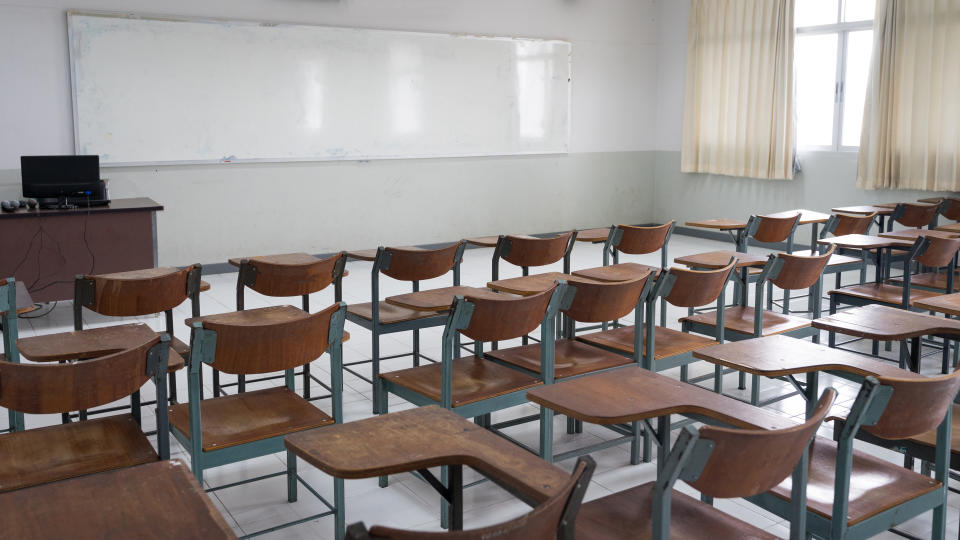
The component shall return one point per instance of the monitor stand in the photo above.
(54, 203)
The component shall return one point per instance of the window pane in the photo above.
(816, 72)
(858, 10)
(859, 45)
(815, 12)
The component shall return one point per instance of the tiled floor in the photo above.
(409, 502)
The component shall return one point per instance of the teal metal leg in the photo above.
(635, 445)
(384, 480)
(339, 510)
(718, 379)
(291, 477)
(444, 505)
(571, 426)
(754, 390)
(546, 434)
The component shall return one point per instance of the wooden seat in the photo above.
(571, 358)
(930, 280)
(474, 379)
(617, 272)
(389, 313)
(740, 319)
(666, 341)
(38, 456)
(881, 292)
(628, 515)
(930, 438)
(875, 485)
(250, 416)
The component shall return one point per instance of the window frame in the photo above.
(842, 29)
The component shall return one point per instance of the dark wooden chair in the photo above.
(238, 427)
(474, 386)
(770, 230)
(530, 251)
(8, 318)
(950, 208)
(591, 303)
(718, 462)
(281, 279)
(403, 264)
(37, 456)
(554, 519)
(141, 292)
(914, 215)
(785, 271)
(872, 495)
(666, 348)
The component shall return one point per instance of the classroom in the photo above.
(461, 269)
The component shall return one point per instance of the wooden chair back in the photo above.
(528, 251)
(748, 462)
(50, 388)
(245, 349)
(642, 240)
(950, 208)
(695, 288)
(140, 292)
(420, 264)
(849, 224)
(939, 252)
(916, 405)
(500, 320)
(914, 214)
(554, 519)
(601, 302)
(271, 279)
(775, 229)
(801, 271)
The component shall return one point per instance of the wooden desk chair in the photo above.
(872, 494)
(8, 315)
(666, 348)
(38, 456)
(914, 215)
(404, 264)
(719, 462)
(637, 241)
(286, 279)
(136, 293)
(238, 427)
(591, 303)
(474, 386)
(554, 519)
(840, 225)
(770, 230)
(530, 251)
(950, 208)
(786, 271)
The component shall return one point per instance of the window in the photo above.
(831, 62)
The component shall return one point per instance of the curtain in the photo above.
(738, 114)
(911, 118)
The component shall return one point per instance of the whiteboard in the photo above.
(162, 90)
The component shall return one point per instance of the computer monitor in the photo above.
(58, 177)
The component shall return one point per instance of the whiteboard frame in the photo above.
(249, 22)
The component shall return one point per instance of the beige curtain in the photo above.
(738, 113)
(911, 119)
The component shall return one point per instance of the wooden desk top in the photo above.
(886, 205)
(533, 284)
(931, 200)
(594, 236)
(886, 323)
(775, 356)
(719, 259)
(806, 216)
(483, 241)
(441, 299)
(253, 317)
(616, 272)
(371, 254)
(864, 241)
(863, 209)
(420, 438)
(156, 500)
(913, 234)
(85, 344)
(722, 224)
(951, 227)
(945, 303)
(139, 204)
(285, 258)
(632, 393)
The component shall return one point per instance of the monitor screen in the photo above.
(52, 176)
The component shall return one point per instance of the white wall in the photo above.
(218, 211)
(828, 179)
